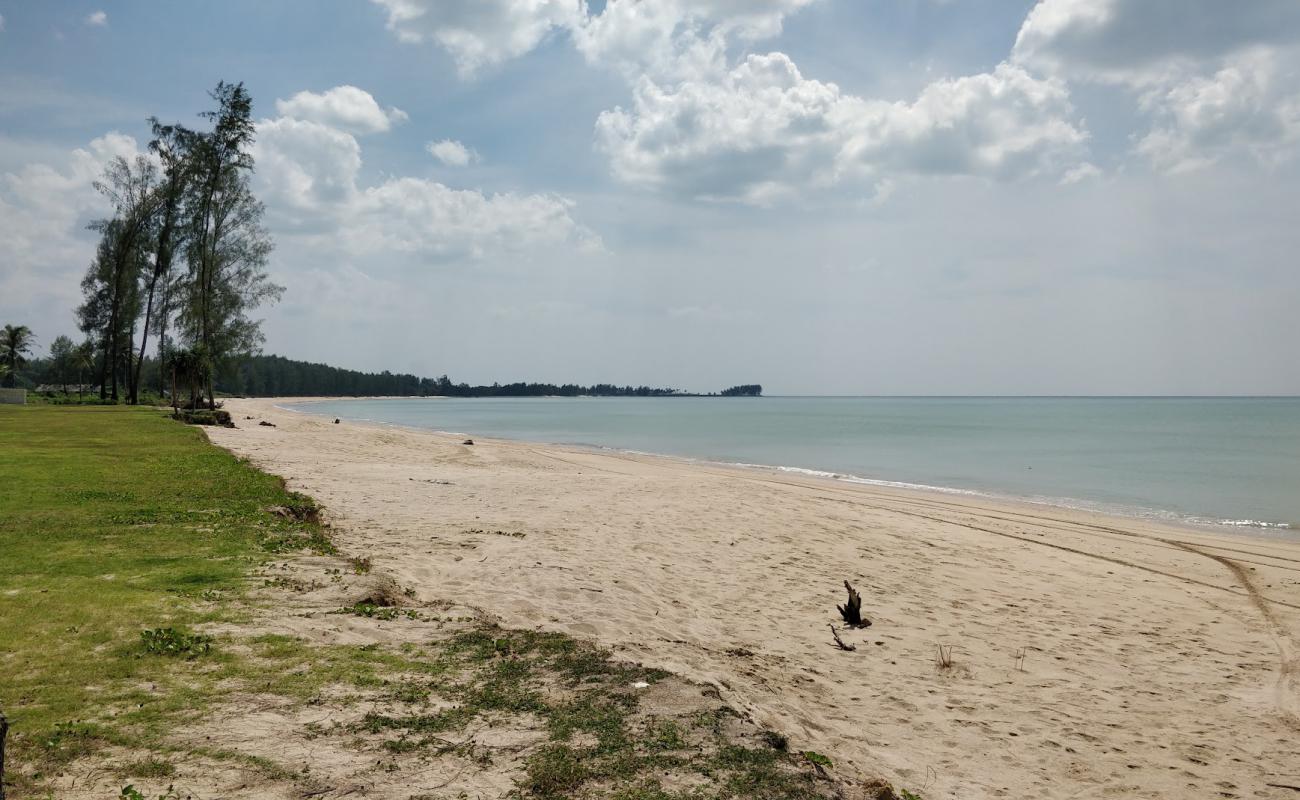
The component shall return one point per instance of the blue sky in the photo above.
(825, 196)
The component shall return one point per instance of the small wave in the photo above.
(1057, 502)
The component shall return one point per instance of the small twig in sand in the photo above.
(840, 642)
(1020, 659)
(945, 657)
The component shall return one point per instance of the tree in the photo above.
(172, 144)
(112, 303)
(62, 357)
(112, 282)
(15, 344)
(83, 358)
(228, 246)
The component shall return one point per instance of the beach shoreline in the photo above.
(1267, 530)
(1092, 654)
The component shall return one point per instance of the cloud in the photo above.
(699, 125)
(97, 19)
(1147, 41)
(1215, 78)
(344, 107)
(762, 131)
(1243, 107)
(480, 33)
(451, 152)
(635, 34)
(308, 175)
(44, 209)
(676, 38)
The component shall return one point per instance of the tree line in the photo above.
(275, 376)
(182, 258)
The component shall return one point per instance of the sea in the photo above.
(1221, 462)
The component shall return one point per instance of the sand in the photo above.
(1092, 656)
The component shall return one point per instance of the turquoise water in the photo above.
(1233, 461)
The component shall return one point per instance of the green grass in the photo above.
(115, 521)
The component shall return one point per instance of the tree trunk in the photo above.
(128, 374)
(144, 342)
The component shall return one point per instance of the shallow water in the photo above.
(1231, 461)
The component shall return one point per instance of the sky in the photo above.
(821, 196)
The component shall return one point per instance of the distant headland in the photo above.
(276, 376)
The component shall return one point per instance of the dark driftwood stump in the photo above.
(4, 729)
(852, 610)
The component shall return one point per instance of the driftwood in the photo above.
(840, 642)
(852, 610)
(264, 423)
(4, 730)
(468, 441)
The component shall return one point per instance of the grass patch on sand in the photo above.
(116, 524)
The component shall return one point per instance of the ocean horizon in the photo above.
(1218, 461)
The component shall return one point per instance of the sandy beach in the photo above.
(1092, 656)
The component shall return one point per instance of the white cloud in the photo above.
(451, 152)
(480, 33)
(344, 107)
(44, 209)
(1215, 78)
(677, 38)
(636, 34)
(97, 18)
(1147, 41)
(308, 175)
(763, 130)
(1246, 106)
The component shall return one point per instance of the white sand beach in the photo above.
(1092, 656)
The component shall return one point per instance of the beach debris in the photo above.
(852, 610)
(468, 441)
(944, 659)
(4, 731)
(848, 648)
(640, 685)
(336, 420)
(266, 424)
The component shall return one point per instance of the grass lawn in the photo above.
(113, 521)
(123, 533)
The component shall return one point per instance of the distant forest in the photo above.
(276, 376)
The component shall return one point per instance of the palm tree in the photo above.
(84, 357)
(15, 342)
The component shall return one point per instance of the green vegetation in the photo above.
(15, 346)
(275, 376)
(114, 524)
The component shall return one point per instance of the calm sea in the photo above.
(1224, 461)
